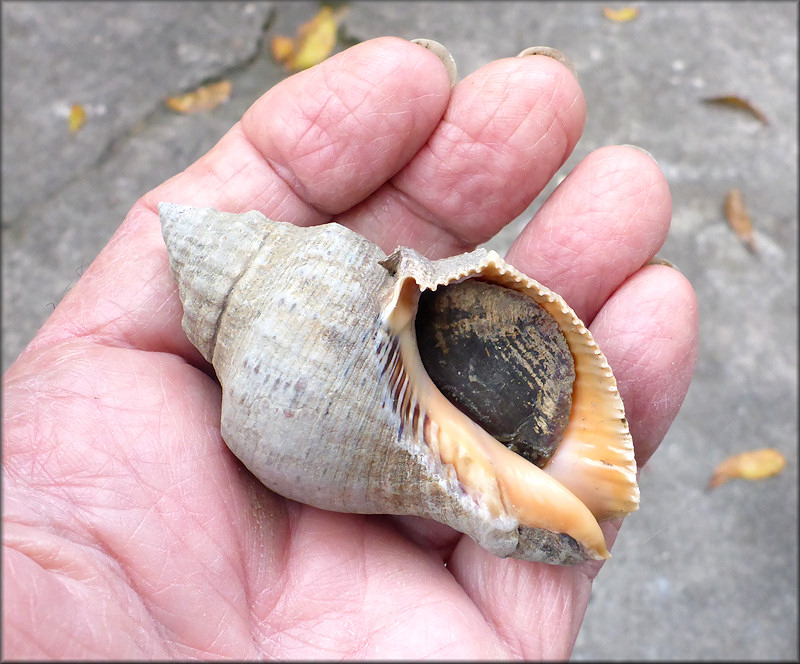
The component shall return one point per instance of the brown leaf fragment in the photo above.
(739, 218)
(205, 98)
(732, 101)
(752, 465)
(77, 117)
(282, 48)
(622, 15)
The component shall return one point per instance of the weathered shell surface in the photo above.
(325, 399)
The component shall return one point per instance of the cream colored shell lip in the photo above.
(325, 399)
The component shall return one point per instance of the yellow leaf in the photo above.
(314, 42)
(204, 98)
(739, 219)
(739, 103)
(620, 15)
(77, 116)
(753, 465)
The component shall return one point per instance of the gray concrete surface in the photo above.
(695, 574)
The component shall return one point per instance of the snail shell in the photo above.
(326, 399)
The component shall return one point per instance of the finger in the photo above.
(322, 140)
(536, 609)
(314, 144)
(429, 535)
(605, 221)
(648, 331)
(508, 128)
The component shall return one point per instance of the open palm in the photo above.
(129, 528)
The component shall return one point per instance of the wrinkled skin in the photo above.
(131, 531)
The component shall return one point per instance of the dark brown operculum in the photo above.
(502, 360)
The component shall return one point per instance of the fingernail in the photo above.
(443, 54)
(550, 53)
(657, 260)
(636, 147)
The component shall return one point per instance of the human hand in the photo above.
(131, 531)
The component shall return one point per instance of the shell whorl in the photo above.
(310, 331)
(206, 265)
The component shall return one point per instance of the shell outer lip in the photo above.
(615, 468)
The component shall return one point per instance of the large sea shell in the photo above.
(312, 334)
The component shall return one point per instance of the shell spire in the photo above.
(206, 264)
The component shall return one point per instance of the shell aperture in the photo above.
(501, 359)
(326, 400)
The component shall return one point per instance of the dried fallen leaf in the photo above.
(77, 116)
(620, 15)
(205, 98)
(314, 42)
(282, 48)
(732, 101)
(753, 465)
(739, 219)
